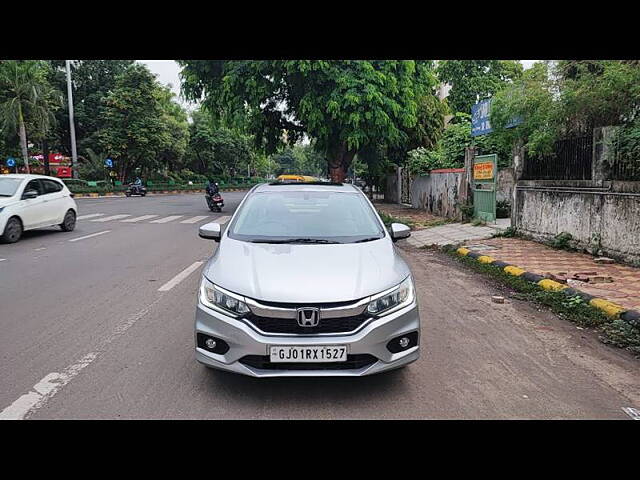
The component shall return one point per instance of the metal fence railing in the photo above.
(625, 168)
(571, 159)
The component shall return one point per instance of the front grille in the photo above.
(354, 362)
(290, 325)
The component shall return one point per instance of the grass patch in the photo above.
(575, 309)
(389, 219)
(509, 232)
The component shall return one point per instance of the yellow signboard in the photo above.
(483, 171)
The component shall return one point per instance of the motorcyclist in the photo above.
(137, 184)
(212, 188)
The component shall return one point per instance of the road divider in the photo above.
(180, 277)
(90, 236)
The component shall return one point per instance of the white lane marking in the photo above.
(222, 220)
(138, 219)
(51, 384)
(632, 412)
(89, 236)
(2, 259)
(91, 215)
(44, 389)
(112, 217)
(195, 219)
(166, 219)
(180, 277)
(39, 249)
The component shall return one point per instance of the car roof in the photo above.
(305, 187)
(28, 176)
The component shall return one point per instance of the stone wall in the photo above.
(506, 182)
(439, 192)
(603, 222)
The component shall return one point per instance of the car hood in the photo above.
(6, 201)
(306, 273)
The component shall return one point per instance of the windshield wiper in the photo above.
(296, 240)
(369, 239)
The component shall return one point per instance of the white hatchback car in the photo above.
(34, 201)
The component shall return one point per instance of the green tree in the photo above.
(133, 133)
(91, 82)
(175, 130)
(215, 150)
(343, 105)
(567, 98)
(474, 80)
(27, 101)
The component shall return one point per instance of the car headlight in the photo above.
(399, 297)
(216, 298)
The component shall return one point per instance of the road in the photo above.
(101, 328)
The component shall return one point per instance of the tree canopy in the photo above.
(568, 98)
(474, 80)
(343, 105)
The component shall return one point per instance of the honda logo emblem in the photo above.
(308, 317)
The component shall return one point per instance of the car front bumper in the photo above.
(244, 340)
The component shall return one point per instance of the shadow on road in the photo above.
(312, 390)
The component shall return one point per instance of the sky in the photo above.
(167, 72)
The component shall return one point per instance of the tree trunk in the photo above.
(339, 158)
(45, 154)
(23, 139)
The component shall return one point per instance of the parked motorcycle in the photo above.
(215, 202)
(136, 190)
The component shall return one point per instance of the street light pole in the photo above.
(72, 128)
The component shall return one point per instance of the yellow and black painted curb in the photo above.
(113, 194)
(610, 309)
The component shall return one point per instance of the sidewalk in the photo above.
(563, 265)
(454, 233)
(559, 265)
(450, 233)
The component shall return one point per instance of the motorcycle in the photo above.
(215, 202)
(136, 190)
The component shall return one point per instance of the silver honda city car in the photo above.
(306, 281)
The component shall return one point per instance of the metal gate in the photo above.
(484, 187)
(405, 186)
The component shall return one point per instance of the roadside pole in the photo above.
(72, 128)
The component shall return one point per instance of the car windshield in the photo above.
(8, 186)
(306, 217)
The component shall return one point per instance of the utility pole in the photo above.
(72, 128)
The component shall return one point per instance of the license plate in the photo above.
(312, 354)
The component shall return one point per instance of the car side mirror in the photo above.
(399, 230)
(29, 194)
(210, 231)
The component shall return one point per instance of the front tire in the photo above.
(12, 231)
(69, 222)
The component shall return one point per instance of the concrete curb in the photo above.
(609, 308)
(159, 192)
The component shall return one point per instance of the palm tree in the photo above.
(26, 97)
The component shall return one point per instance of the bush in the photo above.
(503, 209)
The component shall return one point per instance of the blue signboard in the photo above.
(108, 163)
(480, 124)
(11, 162)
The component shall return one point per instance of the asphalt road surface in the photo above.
(98, 324)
